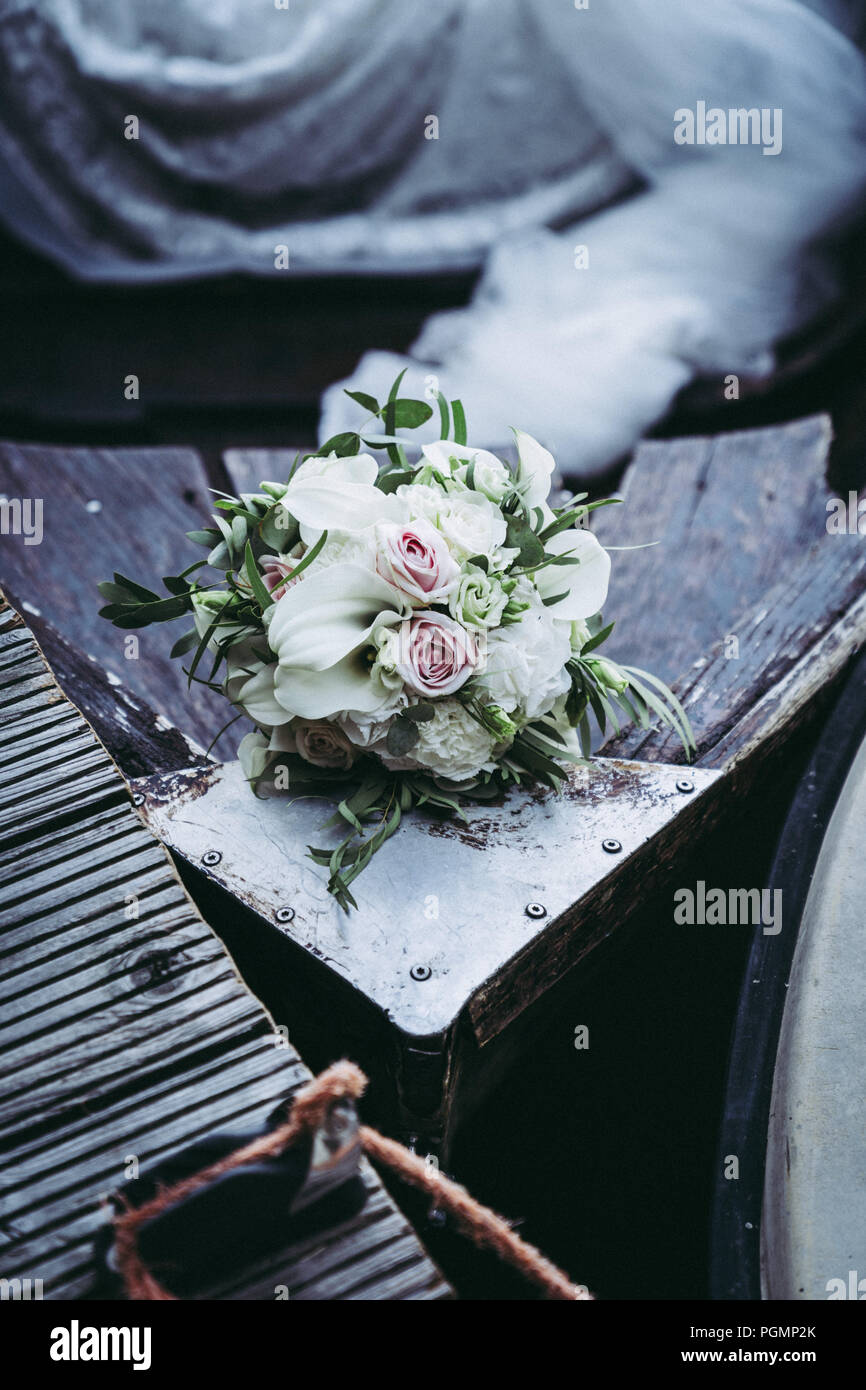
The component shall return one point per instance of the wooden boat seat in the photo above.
(126, 1032)
(747, 603)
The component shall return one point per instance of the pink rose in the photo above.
(323, 743)
(435, 655)
(416, 560)
(275, 573)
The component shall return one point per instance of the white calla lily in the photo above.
(258, 699)
(534, 471)
(339, 497)
(319, 630)
(584, 584)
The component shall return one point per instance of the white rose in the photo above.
(452, 745)
(469, 521)
(344, 548)
(525, 669)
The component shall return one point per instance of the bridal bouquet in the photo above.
(405, 633)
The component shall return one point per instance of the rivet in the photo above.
(685, 784)
(137, 799)
(211, 857)
(284, 914)
(420, 972)
(536, 910)
(611, 846)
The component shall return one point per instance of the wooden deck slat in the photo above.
(121, 1036)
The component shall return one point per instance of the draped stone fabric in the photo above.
(306, 127)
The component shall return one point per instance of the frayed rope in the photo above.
(309, 1108)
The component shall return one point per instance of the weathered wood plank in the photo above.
(747, 604)
(146, 500)
(126, 1035)
(723, 517)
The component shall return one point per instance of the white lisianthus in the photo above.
(479, 599)
(488, 473)
(206, 609)
(580, 635)
(385, 642)
(607, 674)
(525, 669)
(452, 745)
(469, 521)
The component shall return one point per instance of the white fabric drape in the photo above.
(721, 255)
(261, 126)
(305, 127)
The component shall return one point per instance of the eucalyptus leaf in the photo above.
(520, 536)
(402, 736)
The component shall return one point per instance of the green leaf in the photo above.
(277, 537)
(368, 402)
(519, 535)
(388, 418)
(310, 556)
(263, 597)
(203, 537)
(239, 534)
(219, 556)
(147, 595)
(115, 592)
(175, 584)
(394, 478)
(344, 445)
(420, 713)
(184, 644)
(459, 422)
(200, 650)
(402, 736)
(597, 640)
(115, 610)
(444, 415)
(409, 414)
